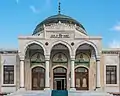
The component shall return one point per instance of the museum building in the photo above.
(59, 55)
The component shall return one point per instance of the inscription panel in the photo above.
(54, 34)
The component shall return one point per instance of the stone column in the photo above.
(72, 83)
(22, 85)
(92, 72)
(98, 85)
(47, 73)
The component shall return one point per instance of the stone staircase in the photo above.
(59, 93)
(31, 93)
(88, 93)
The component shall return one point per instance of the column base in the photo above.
(98, 89)
(22, 89)
(73, 89)
(47, 88)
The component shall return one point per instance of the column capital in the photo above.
(22, 57)
(47, 57)
(72, 58)
(98, 58)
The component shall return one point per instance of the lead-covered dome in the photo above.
(55, 19)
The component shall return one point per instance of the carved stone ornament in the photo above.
(38, 57)
(82, 57)
(60, 57)
(60, 26)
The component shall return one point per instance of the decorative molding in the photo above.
(60, 57)
(47, 57)
(82, 58)
(110, 52)
(22, 57)
(59, 25)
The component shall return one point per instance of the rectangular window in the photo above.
(8, 74)
(111, 75)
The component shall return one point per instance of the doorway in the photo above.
(38, 78)
(59, 77)
(81, 78)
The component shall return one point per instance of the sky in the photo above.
(20, 17)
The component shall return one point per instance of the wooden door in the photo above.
(38, 78)
(81, 79)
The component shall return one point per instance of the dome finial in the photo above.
(59, 7)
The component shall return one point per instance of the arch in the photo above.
(88, 43)
(60, 67)
(37, 66)
(81, 66)
(56, 66)
(34, 42)
(63, 43)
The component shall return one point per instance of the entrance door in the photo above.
(38, 78)
(60, 83)
(81, 78)
(60, 79)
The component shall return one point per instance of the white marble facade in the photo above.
(77, 52)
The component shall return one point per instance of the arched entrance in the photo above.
(38, 78)
(59, 78)
(81, 78)
(34, 60)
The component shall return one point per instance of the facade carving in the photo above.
(59, 26)
(60, 61)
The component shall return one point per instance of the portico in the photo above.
(62, 66)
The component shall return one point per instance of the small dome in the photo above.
(55, 19)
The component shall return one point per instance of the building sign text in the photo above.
(60, 36)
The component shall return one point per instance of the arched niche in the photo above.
(31, 43)
(83, 54)
(32, 49)
(34, 56)
(60, 54)
(88, 44)
(60, 42)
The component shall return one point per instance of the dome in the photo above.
(55, 19)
